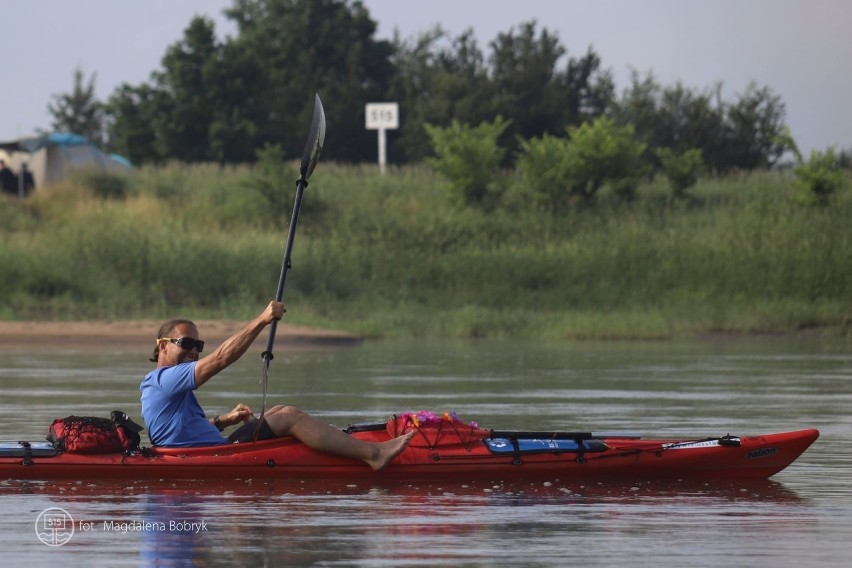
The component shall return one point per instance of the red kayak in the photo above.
(443, 449)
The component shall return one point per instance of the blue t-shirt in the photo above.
(171, 412)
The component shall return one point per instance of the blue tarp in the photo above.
(62, 139)
(65, 139)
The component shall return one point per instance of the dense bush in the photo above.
(594, 154)
(682, 169)
(819, 178)
(469, 157)
(600, 152)
(545, 166)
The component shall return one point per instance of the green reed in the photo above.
(390, 255)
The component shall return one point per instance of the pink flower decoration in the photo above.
(427, 418)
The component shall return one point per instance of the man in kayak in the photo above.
(174, 417)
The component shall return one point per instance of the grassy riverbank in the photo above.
(391, 255)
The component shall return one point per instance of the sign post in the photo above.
(382, 117)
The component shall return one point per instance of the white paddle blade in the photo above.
(316, 138)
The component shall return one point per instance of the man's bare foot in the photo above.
(387, 451)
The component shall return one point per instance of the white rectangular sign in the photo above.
(381, 116)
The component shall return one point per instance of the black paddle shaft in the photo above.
(285, 263)
(310, 157)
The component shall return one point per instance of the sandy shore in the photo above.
(100, 335)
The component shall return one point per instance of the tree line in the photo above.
(222, 101)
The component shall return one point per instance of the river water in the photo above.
(698, 388)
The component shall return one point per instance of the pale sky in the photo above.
(800, 49)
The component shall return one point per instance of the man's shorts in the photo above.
(245, 433)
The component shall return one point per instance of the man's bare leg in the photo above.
(290, 421)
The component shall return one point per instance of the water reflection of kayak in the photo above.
(444, 449)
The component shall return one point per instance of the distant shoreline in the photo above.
(40, 337)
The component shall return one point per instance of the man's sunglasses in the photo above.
(185, 343)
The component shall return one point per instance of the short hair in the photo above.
(166, 330)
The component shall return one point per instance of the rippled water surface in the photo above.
(801, 517)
